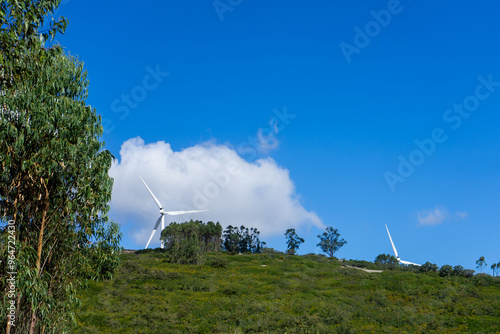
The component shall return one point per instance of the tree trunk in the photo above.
(39, 252)
(33, 322)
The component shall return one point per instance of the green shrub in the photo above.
(172, 275)
(217, 262)
(484, 280)
(130, 267)
(155, 274)
(468, 273)
(194, 285)
(269, 250)
(228, 291)
(150, 250)
(361, 264)
(446, 270)
(428, 267)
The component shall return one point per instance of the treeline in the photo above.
(207, 237)
(185, 243)
(242, 240)
(387, 261)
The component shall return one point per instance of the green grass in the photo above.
(263, 293)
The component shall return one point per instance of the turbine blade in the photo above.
(154, 230)
(392, 243)
(176, 213)
(158, 222)
(150, 237)
(152, 195)
(409, 263)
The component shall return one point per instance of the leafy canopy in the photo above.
(186, 242)
(330, 241)
(54, 181)
(242, 240)
(293, 241)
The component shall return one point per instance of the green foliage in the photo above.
(362, 264)
(269, 250)
(185, 243)
(494, 268)
(242, 240)
(468, 273)
(446, 270)
(458, 271)
(54, 179)
(386, 261)
(22, 30)
(263, 293)
(293, 241)
(330, 242)
(481, 263)
(484, 280)
(150, 250)
(429, 267)
(217, 262)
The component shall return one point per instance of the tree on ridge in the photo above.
(481, 263)
(330, 242)
(293, 241)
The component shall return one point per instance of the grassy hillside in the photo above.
(283, 294)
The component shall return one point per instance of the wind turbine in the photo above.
(396, 252)
(162, 215)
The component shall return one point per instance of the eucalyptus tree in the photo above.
(54, 182)
(186, 242)
(446, 270)
(330, 241)
(293, 241)
(231, 239)
(458, 270)
(242, 240)
(481, 262)
(429, 267)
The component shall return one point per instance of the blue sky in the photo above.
(338, 93)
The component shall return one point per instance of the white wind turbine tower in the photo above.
(396, 252)
(162, 214)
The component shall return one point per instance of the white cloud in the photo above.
(237, 192)
(433, 217)
(437, 216)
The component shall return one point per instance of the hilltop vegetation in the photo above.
(279, 293)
